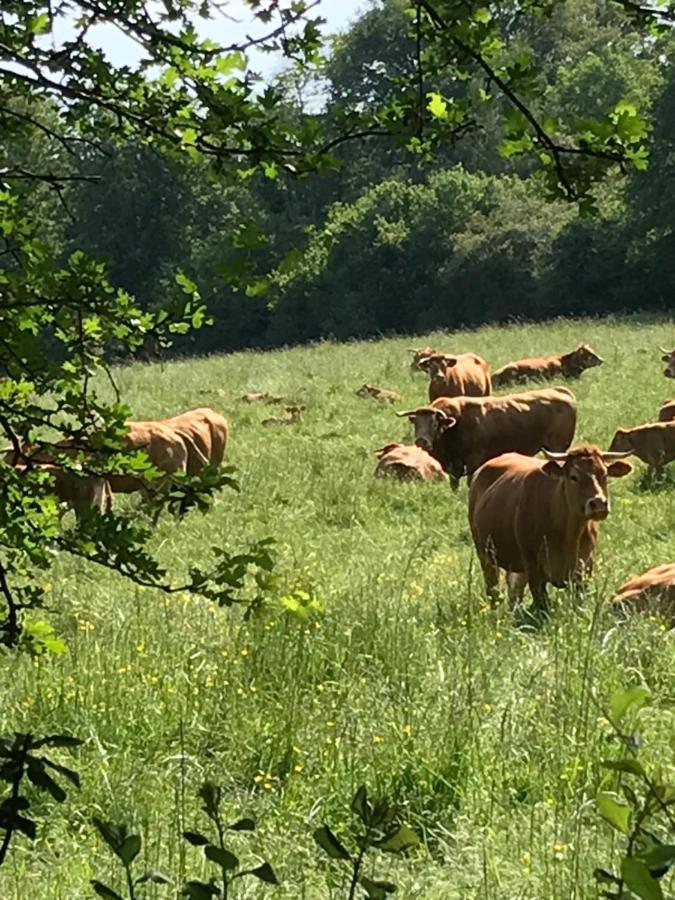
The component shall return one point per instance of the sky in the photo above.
(120, 50)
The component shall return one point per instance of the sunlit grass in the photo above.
(488, 737)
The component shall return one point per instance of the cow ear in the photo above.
(450, 361)
(665, 357)
(619, 468)
(552, 469)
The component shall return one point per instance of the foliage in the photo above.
(380, 831)
(643, 811)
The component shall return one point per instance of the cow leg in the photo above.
(537, 585)
(491, 577)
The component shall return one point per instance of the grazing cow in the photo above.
(204, 432)
(668, 357)
(77, 491)
(667, 411)
(408, 462)
(466, 375)
(462, 433)
(165, 448)
(531, 517)
(378, 393)
(569, 365)
(653, 591)
(422, 353)
(255, 396)
(654, 443)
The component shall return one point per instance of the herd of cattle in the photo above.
(535, 518)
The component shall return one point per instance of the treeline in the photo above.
(392, 242)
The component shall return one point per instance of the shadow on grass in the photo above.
(655, 482)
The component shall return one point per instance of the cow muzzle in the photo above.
(424, 443)
(597, 508)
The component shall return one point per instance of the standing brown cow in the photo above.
(466, 375)
(462, 433)
(569, 365)
(654, 443)
(530, 517)
(653, 591)
(668, 357)
(667, 411)
(408, 462)
(204, 433)
(78, 491)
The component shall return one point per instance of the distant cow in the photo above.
(653, 591)
(531, 517)
(667, 411)
(466, 375)
(378, 393)
(422, 353)
(668, 357)
(165, 448)
(545, 368)
(204, 432)
(654, 443)
(78, 491)
(462, 433)
(408, 462)
(290, 417)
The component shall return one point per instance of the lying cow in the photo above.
(667, 411)
(462, 433)
(378, 393)
(653, 591)
(408, 462)
(466, 375)
(77, 491)
(668, 357)
(545, 368)
(537, 519)
(204, 432)
(654, 444)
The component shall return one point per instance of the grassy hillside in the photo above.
(487, 736)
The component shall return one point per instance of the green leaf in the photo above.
(659, 859)
(437, 106)
(328, 842)
(400, 840)
(130, 849)
(243, 825)
(360, 804)
(377, 890)
(104, 891)
(614, 810)
(265, 873)
(199, 890)
(631, 766)
(196, 839)
(637, 877)
(621, 701)
(221, 856)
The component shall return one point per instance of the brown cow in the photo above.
(653, 591)
(374, 390)
(466, 375)
(667, 411)
(422, 353)
(204, 432)
(462, 433)
(165, 448)
(668, 357)
(569, 365)
(408, 462)
(654, 443)
(77, 491)
(530, 517)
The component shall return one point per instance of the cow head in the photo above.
(668, 357)
(584, 472)
(421, 353)
(430, 424)
(437, 364)
(586, 357)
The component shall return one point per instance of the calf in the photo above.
(462, 433)
(378, 393)
(537, 519)
(545, 368)
(654, 443)
(422, 353)
(466, 375)
(408, 462)
(653, 591)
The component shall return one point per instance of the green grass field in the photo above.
(488, 737)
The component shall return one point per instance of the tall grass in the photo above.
(487, 736)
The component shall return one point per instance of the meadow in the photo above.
(488, 737)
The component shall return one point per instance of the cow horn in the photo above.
(663, 350)
(616, 454)
(556, 457)
(408, 412)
